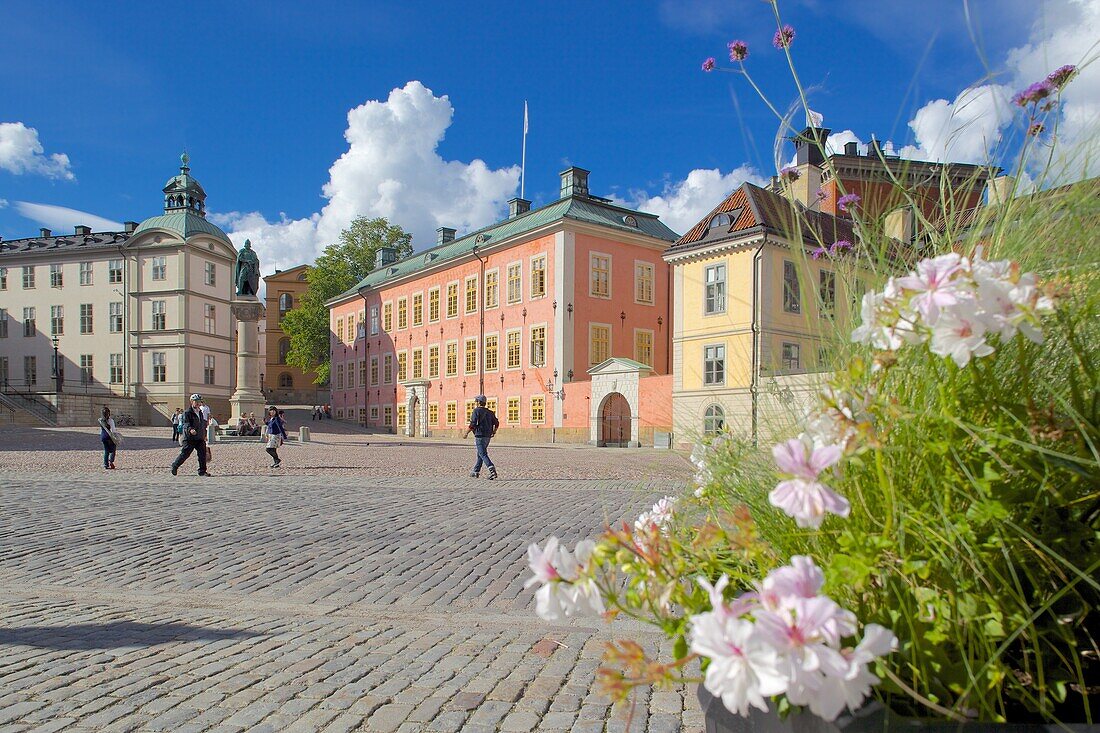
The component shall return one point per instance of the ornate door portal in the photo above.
(615, 421)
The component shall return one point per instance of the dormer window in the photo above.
(630, 220)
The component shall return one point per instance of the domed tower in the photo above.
(184, 194)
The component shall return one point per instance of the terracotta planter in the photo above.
(871, 718)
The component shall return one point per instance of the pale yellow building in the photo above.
(754, 313)
(139, 319)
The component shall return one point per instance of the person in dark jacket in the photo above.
(483, 424)
(276, 434)
(107, 434)
(194, 436)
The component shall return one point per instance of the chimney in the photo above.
(444, 235)
(574, 182)
(44, 233)
(518, 206)
(874, 148)
(809, 146)
(851, 148)
(999, 190)
(899, 224)
(130, 226)
(83, 229)
(384, 256)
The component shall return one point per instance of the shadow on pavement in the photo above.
(115, 634)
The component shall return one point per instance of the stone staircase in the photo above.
(20, 409)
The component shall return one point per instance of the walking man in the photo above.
(483, 424)
(194, 436)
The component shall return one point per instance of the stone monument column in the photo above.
(247, 311)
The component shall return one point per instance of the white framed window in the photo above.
(387, 369)
(114, 271)
(538, 276)
(452, 413)
(792, 296)
(418, 309)
(374, 371)
(387, 317)
(87, 369)
(470, 350)
(827, 292)
(492, 288)
(402, 314)
(208, 369)
(387, 416)
(57, 277)
(159, 316)
(538, 409)
(515, 282)
(512, 410)
(599, 343)
(538, 345)
(3, 323)
(160, 366)
(513, 340)
(715, 301)
(452, 358)
(211, 279)
(452, 299)
(85, 273)
(714, 420)
(210, 316)
(714, 364)
(433, 361)
(599, 280)
(471, 294)
(402, 365)
(116, 368)
(114, 316)
(160, 268)
(492, 352)
(791, 356)
(86, 320)
(28, 277)
(643, 346)
(374, 320)
(433, 305)
(418, 364)
(57, 320)
(643, 282)
(433, 413)
(30, 322)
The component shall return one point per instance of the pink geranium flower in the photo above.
(933, 282)
(803, 496)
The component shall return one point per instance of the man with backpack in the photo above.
(194, 436)
(483, 424)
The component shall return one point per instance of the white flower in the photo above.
(803, 497)
(850, 689)
(658, 516)
(742, 670)
(934, 284)
(568, 588)
(960, 334)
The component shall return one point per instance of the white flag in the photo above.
(525, 117)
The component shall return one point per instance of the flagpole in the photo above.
(523, 162)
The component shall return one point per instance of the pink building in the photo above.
(520, 311)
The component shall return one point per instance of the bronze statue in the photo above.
(246, 275)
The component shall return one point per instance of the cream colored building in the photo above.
(139, 316)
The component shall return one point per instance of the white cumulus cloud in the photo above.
(965, 130)
(392, 168)
(62, 219)
(3, 203)
(21, 152)
(681, 204)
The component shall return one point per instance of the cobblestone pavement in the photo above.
(308, 603)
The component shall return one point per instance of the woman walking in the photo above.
(110, 437)
(276, 435)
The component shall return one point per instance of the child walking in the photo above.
(276, 435)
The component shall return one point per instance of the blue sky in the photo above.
(259, 94)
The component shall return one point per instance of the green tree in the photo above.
(337, 269)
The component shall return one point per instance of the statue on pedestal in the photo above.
(246, 275)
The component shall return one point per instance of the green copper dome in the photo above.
(183, 192)
(183, 223)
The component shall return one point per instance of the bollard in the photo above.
(303, 434)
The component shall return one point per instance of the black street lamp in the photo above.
(56, 368)
(262, 393)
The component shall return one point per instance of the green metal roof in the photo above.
(183, 182)
(184, 223)
(592, 211)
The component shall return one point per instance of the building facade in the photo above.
(759, 308)
(519, 311)
(141, 314)
(282, 383)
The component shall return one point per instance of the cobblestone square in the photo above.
(382, 594)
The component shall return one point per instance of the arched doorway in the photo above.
(615, 421)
